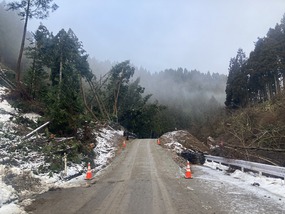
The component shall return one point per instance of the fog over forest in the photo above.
(191, 92)
(11, 30)
(177, 87)
(184, 91)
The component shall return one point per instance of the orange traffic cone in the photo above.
(124, 144)
(188, 173)
(89, 173)
(158, 141)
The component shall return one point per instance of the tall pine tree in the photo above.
(236, 88)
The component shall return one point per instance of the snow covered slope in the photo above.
(18, 163)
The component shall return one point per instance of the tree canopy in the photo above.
(54, 78)
(262, 76)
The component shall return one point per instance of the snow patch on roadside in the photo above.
(5, 107)
(9, 195)
(170, 134)
(175, 146)
(6, 112)
(12, 209)
(254, 182)
(105, 148)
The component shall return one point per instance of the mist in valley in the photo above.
(189, 95)
(11, 30)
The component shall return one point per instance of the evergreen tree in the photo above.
(63, 60)
(133, 106)
(28, 9)
(68, 65)
(281, 48)
(236, 88)
(117, 87)
(36, 78)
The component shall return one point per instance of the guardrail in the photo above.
(253, 166)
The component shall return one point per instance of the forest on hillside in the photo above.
(191, 97)
(74, 91)
(59, 84)
(140, 101)
(261, 76)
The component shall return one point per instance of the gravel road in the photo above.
(143, 178)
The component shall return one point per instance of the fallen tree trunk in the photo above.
(257, 148)
(34, 131)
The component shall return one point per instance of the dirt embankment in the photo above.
(184, 146)
(186, 139)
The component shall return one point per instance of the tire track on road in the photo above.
(159, 187)
(113, 201)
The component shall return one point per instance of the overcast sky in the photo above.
(161, 34)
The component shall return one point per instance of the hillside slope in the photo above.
(255, 133)
(36, 164)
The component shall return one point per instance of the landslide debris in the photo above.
(186, 146)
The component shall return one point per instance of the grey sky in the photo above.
(160, 34)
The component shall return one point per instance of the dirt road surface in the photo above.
(144, 179)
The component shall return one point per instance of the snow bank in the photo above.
(7, 193)
(105, 148)
(12, 209)
(5, 107)
(175, 146)
(6, 113)
(248, 180)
